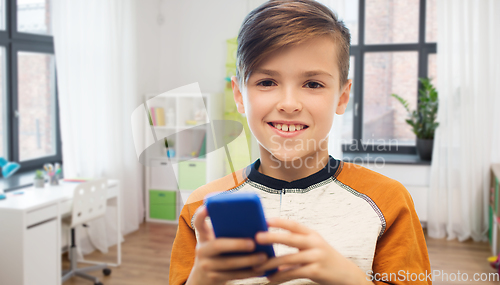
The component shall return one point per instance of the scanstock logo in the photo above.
(149, 141)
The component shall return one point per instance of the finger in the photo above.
(224, 263)
(289, 260)
(288, 267)
(225, 245)
(296, 273)
(290, 225)
(205, 232)
(287, 238)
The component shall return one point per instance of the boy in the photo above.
(331, 222)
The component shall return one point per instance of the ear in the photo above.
(238, 98)
(344, 98)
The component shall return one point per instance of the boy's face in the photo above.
(298, 85)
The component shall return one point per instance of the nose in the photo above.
(289, 102)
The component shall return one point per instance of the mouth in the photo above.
(288, 127)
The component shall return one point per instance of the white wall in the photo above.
(193, 41)
(148, 46)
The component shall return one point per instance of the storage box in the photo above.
(192, 174)
(162, 205)
(162, 175)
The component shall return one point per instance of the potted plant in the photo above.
(423, 120)
(39, 181)
(169, 146)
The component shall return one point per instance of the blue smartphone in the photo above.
(239, 215)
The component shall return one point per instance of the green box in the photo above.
(162, 204)
(192, 174)
(162, 212)
(162, 197)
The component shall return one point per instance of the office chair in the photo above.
(89, 202)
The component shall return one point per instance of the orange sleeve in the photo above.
(183, 249)
(401, 253)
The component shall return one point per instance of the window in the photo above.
(29, 125)
(393, 44)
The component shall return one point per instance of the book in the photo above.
(203, 147)
(153, 115)
(160, 116)
(150, 120)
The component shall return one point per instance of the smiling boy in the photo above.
(331, 222)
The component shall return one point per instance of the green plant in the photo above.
(169, 143)
(38, 174)
(423, 120)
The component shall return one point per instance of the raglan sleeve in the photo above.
(183, 248)
(401, 255)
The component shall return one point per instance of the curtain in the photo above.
(95, 62)
(466, 141)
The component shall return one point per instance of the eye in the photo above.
(314, 85)
(266, 83)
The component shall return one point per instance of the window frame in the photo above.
(14, 42)
(358, 52)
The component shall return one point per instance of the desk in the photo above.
(30, 233)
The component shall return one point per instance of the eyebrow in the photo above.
(304, 74)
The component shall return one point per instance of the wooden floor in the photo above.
(146, 257)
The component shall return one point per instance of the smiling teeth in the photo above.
(288, 128)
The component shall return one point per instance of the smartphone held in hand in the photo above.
(239, 215)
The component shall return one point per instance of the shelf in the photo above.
(192, 159)
(162, 221)
(174, 159)
(181, 95)
(177, 127)
(164, 127)
(183, 170)
(190, 126)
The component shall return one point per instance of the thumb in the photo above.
(205, 232)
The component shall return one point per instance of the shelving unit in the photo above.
(170, 180)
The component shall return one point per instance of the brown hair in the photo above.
(278, 23)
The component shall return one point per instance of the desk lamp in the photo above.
(8, 168)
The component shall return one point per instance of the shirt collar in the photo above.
(331, 169)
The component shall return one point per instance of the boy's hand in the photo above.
(211, 268)
(316, 259)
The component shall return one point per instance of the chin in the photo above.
(287, 156)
